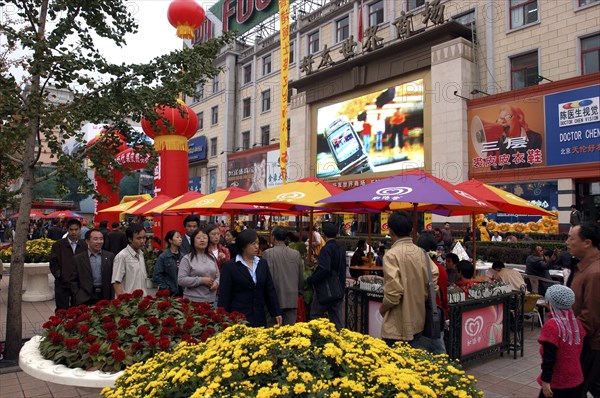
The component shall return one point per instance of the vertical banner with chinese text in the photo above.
(284, 43)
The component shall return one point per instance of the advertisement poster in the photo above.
(482, 328)
(195, 184)
(380, 131)
(385, 229)
(274, 174)
(248, 172)
(541, 193)
(573, 126)
(375, 319)
(507, 136)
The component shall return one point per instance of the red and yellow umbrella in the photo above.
(148, 206)
(504, 201)
(217, 202)
(64, 214)
(300, 195)
(163, 208)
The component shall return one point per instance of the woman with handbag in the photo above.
(246, 283)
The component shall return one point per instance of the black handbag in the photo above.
(434, 318)
(329, 290)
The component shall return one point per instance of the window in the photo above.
(247, 73)
(264, 135)
(214, 115)
(523, 12)
(215, 84)
(466, 18)
(583, 3)
(342, 29)
(199, 94)
(246, 104)
(524, 70)
(200, 120)
(245, 140)
(313, 42)
(410, 4)
(376, 13)
(292, 44)
(266, 100)
(213, 147)
(590, 54)
(266, 65)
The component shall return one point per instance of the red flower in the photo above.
(116, 302)
(138, 293)
(177, 330)
(189, 322)
(169, 321)
(90, 339)
(118, 355)
(153, 320)
(107, 318)
(112, 335)
(164, 343)
(84, 329)
(124, 323)
(137, 346)
(144, 304)
(56, 338)
(72, 343)
(70, 325)
(142, 330)
(94, 349)
(109, 326)
(203, 321)
(163, 305)
(151, 340)
(163, 293)
(114, 346)
(103, 303)
(204, 336)
(47, 325)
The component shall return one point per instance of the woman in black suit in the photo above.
(246, 283)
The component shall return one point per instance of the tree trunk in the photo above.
(14, 321)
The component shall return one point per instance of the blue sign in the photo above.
(194, 184)
(197, 149)
(541, 193)
(573, 126)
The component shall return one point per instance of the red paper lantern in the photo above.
(185, 126)
(103, 134)
(186, 16)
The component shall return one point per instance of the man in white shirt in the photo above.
(129, 268)
(509, 276)
(496, 237)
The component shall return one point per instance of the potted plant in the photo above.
(113, 335)
(36, 251)
(304, 360)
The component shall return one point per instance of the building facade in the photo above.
(378, 87)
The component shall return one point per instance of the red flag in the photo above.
(360, 23)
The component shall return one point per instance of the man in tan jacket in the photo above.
(405, 284)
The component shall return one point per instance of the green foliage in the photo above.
(58, 37)
(510, 252)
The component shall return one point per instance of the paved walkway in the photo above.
(498, 376)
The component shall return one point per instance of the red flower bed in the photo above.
(112, 335)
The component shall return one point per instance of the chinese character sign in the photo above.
(507, 136)
(284, 44)
(482, 328)
(274, 169)
(573, 125)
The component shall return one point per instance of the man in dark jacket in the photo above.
(90, 281)
(62, 265)
(117, 240)
(332, 259)
(55, 232)
(536, 265)
(103, 227)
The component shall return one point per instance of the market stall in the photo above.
(482, 321)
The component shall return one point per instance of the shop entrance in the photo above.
(588, 199)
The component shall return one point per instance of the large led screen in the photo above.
(380, 131)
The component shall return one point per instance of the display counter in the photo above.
(477, 327)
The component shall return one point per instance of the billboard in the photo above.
(195, 184)
(243, 15)
(507, 136)
(573, 125)
(482, 328)
(379, 131)
(248, 172)
(197, 149)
